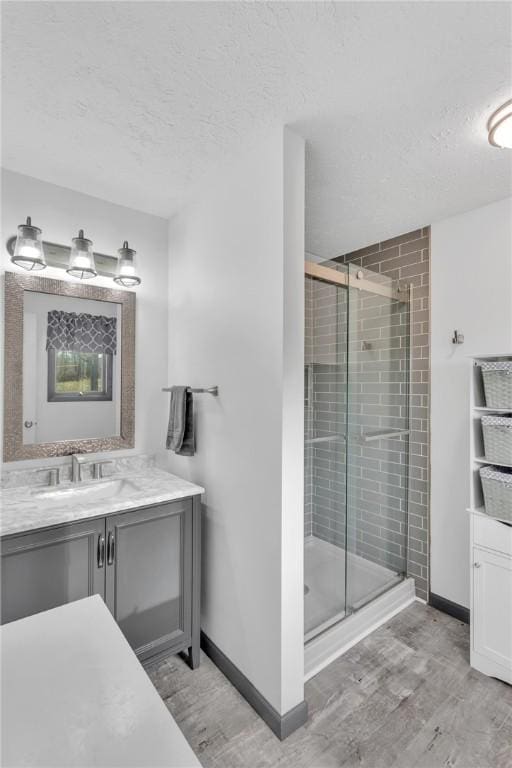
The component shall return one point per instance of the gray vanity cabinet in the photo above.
(149, 576)
(47, 568)
(144, 563)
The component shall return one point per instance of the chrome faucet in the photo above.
(53, 475)
(76, 468)
(97, 468)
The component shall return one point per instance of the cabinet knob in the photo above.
(477, 565)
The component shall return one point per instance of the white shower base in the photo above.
(375, 593)
(324, 575)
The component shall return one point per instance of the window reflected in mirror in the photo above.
(71, 368)
(79, 375)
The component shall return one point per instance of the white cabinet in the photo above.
(491, 598)
(490, 551)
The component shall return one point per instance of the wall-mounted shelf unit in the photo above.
(490, 550)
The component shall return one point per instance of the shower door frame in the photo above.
(330, 275)
(345, 279)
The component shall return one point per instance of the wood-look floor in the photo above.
(405, 696)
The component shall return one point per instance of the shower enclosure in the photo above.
(356, 401)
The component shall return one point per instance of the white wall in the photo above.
(471, 261)
(292, 481)
(61, 212)
(236, 320)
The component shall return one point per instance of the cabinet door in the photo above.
(148, 576)
(51, 567)
(492, 606)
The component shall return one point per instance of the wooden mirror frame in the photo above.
(14, 448)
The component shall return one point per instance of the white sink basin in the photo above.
(84, 492)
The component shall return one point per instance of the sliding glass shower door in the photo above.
(356, 405)
(377, 454)
(324, 451)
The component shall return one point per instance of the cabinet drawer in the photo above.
(492, 534)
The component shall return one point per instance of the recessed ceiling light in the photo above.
(500, 126)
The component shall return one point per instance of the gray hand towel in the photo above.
(180, 432)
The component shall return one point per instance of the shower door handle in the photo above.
(382, 434)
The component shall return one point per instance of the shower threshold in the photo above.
(375, 594)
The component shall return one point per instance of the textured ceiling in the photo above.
(133, 101)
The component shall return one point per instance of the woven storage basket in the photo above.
(498, 384)
(497, 488)
(498, 438)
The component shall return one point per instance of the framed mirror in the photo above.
(69, 368)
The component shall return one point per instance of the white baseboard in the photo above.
(491, 668)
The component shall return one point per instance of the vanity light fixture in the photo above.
(126, 273)
(28, 250)
(500, 126)
(81, 258)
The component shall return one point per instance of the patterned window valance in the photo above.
(81, 332)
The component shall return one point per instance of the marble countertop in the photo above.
(75, 694)
(27, 508)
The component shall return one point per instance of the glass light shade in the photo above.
(28, 251)
(81, 258)
(126, 273)
(500, 127)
